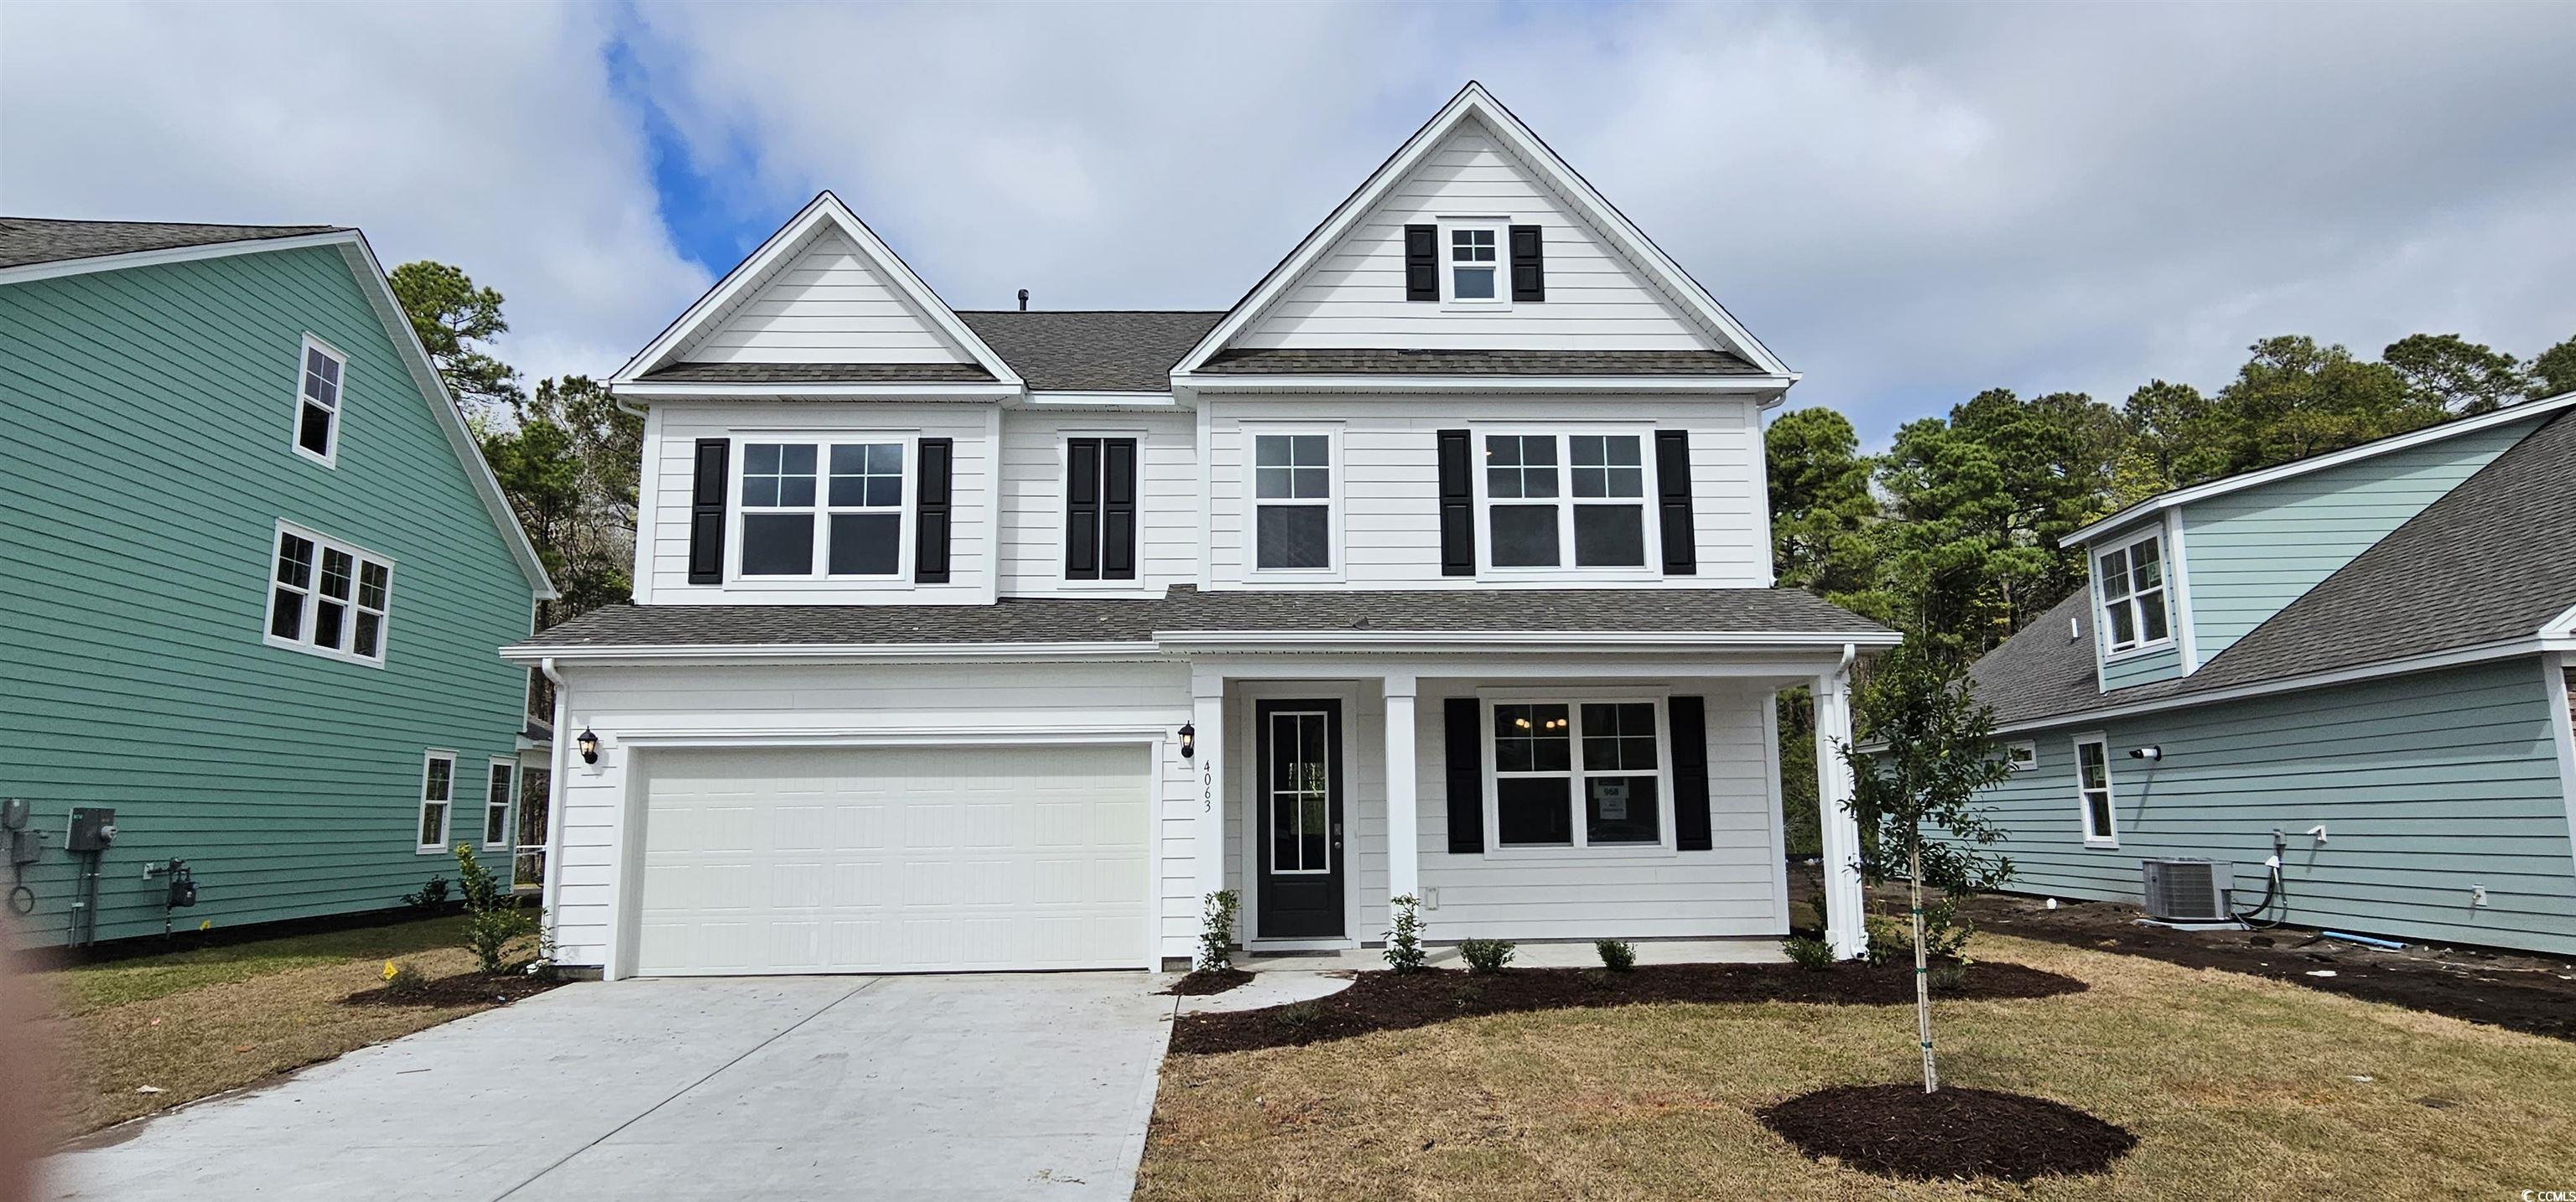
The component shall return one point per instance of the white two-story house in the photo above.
(1437, 566)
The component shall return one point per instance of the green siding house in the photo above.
(2357, 662)
(255, 576)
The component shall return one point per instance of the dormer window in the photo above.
(1474, 262)
(2130, 580)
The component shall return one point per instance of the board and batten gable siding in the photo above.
(893, 703)
(825, 304)
(670, 462)
(1389, 477)
(1354, 295)
(1168, 525)
(2428, 785)
(2254, 551)
(146, 462)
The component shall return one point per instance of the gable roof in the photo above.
(1322, 361)
(737, 285)
(2492, 562)
(1101, 350)
(30, 240)
(151, 243)
(1474, 103)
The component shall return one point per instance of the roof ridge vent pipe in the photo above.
(1024, 300)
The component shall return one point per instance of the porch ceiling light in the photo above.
(589, 742)
(1189, 740)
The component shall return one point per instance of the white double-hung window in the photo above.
(437, 797)
(1557, 500)
(328, 597)
(815, 509)
(1472, 263)
(317, 402)
(1295, 501)
(2093, 791)
(1579, 773)
(2130, 579)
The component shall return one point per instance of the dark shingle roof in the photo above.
(1009, 621)
(816, 373)
(27, 240)
(2494, 559)
(1745, 610)
(1320, 361)
(1092, 350)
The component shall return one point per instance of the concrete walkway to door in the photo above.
(988, 1086)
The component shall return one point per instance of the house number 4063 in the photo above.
(1207, 789)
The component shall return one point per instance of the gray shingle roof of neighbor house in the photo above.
(817, 373)
(1185, 609)
(1097, 350)
(29, 240)
(2491, 561)
(1325, 361)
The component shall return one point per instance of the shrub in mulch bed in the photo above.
(1201, 982)
(463, 989)
(1901, 1131)
(1387, 1001)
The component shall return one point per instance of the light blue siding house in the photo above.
(2361, 659)
(256, 575)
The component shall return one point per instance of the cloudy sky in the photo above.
(1908, 203)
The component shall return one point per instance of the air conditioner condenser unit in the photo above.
(2186, 889)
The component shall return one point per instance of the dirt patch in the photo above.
(1901, 1131)
(1203, 982)
(1387, 1001)
(462, 989)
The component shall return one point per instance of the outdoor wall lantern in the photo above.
(1189, 740)
(589, 741)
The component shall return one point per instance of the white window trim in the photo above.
(823, 442)
(446, 821)
(2022, 754)
(339, 408)
(1336, 561)
(1581, 847)
(1565, 501)
(1064, 502)
(303, 643)
(2164, 595)
(2110, 794)
(508, 805)
(1502, 299)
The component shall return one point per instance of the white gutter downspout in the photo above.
(556, 781)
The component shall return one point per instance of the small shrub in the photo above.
(1808, 952)
(1467, 994)
(1617, 955)
(494, 923)
(1216, 934)
(1404, 940)
(1947, 974)
(403, 982)
(431, 895)
(1300, 1018)
(1485, 955)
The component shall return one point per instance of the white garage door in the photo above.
(893, 859)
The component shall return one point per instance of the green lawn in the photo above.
(92, 987)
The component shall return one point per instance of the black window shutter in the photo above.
(1082, 509)
(1457, 506)
(1422, 262)
(1529, 264)
(1689, 716)
(1118, 509)
(1464, 717)
(707, 513)
(930, 524)
(1673, 486)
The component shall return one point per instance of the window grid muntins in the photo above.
(437, 792)
(839, 505)
(2133, 595)
(1300, 793)
(496, 804)
(1531, 517)
(317, 416)
(1473, 263)
(1540, 781)
(1292, 487)
(329, 597)
(2093, 786)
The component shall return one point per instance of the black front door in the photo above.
(1298, 798)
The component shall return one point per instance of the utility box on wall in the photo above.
(93, 828)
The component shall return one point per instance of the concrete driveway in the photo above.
(1000, 1086)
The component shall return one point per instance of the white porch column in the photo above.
(1843, 900)
(1403, 825)
(1207, 786)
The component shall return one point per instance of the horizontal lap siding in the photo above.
(2427, 785)
(145, 465)
(827, 304)
(1354, 295)
(1390, 483)
(1031, 547)
(671, 457)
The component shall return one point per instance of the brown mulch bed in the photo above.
(463, 989)
(1202, 982)
(1387, 1001)
(1901, 1131)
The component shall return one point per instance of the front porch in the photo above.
(1546, 798)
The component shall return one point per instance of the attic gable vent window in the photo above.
(2131, 583)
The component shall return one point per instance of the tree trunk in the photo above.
(1922, 969)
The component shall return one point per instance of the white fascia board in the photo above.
(1776, 385)
(2317, 680)
(678, 391)
(1361, 641)
(2395, 442)
(825, 208)
(1060, 398)
(1474, 102)
(532, 653)
(177, 254)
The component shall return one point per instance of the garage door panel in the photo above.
(894, 859)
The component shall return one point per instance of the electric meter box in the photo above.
(93, 828)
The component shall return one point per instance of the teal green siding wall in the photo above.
(2427, 785)
(2254, 551)
(144, 464)
(2142, 668)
